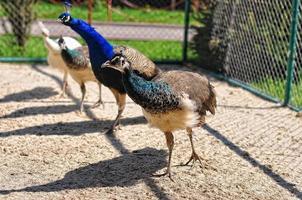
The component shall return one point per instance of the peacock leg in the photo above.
(83, 90)
(170, 144)
(194, 155)
(65, 85)
(100, 101)
(121, 102)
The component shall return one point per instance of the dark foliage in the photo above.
(209, 49)
(20, 15)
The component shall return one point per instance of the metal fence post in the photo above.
(292, 50)
(90, 8)
(186, 31)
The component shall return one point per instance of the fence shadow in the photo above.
(245, 155)
(122, 171)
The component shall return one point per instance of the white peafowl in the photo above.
(79, 67)
(54, 57)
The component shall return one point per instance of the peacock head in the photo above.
(62, 43)
(119, 62)
(65, 18)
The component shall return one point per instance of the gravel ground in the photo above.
(253, 148)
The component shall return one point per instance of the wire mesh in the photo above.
(156, 28)
(254, 38)
(16, 26)
(252, 53)
(296, 99)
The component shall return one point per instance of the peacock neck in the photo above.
(68, 55)
(71, 53)
(100, 50)
(52, 45)
(154, 97)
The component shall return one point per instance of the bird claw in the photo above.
(97, 104)
(113, 129)
(203, 164)
(118, 127)
(62, 95)
(193, 158)
(167, 172)
(109, 131)
(80, 113)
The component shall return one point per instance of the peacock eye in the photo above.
(66, 18)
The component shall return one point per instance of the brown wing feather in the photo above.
(196, 86)
(140, 63)
(85, 52)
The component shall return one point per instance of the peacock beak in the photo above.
(109, 65)
(106, 64)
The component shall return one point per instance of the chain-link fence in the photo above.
(256, 43)
(253, 43)
(296, 99)
(156, 28)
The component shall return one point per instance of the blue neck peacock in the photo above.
(171, 101)
(100, 50)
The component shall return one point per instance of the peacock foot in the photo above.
(80, 113)
(166, 173)
(113, 130)
(97, 104)
(62, 95)
(194, 157)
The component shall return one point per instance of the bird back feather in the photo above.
(141, 64)
(197, 87)
(76, 59)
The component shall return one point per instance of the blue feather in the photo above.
(100, 50)
(67, 3)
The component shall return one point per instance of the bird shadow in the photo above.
(46, 110)
(41, 110)
(122, 171)
(115, 142)
(72, 128)
(264, 168)
(36, 93)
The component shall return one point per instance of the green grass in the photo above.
(34, 47)
(155, 50)
(297, 95)
(276, 88)
(46, 10)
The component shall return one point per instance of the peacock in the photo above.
(173, 100)
(100, 50)
(79, 67)
(54, 57)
